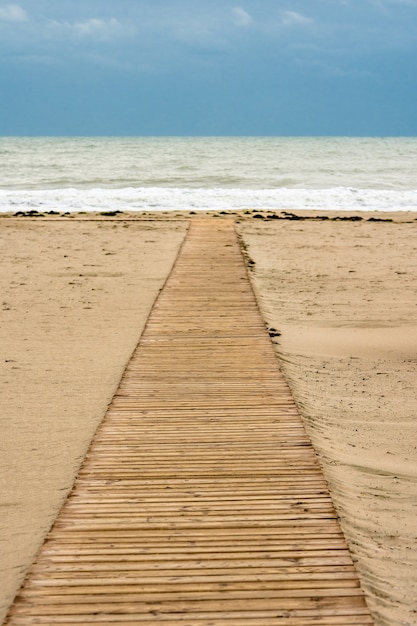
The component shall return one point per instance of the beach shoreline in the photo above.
(339, 288)
(238, 215)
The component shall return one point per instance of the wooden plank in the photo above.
(268, 599)
(136, 592)
(298, 617)
(200, 501)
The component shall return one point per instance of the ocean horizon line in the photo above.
(202, 136)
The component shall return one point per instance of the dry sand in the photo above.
(343, 295)
(75, 296)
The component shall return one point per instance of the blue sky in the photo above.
(194, 67)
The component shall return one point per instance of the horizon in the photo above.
(208, 136)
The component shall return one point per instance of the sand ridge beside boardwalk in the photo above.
(75, 296)
(343, 297)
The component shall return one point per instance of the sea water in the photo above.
(215, 173)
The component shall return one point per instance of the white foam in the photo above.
(175, 199)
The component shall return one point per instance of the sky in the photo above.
(208, 67)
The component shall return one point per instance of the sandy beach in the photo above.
(339, 297)
(75, 299)
(343, 295)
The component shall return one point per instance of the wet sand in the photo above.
(341, 296)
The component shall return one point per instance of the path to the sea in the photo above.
(201, 501)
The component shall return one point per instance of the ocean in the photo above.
(215, 173)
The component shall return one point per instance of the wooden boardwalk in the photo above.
(201, 501)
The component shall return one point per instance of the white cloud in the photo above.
(241, 17)
(98, 29)
(94, 29)
(13, 13)
(292, 18)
